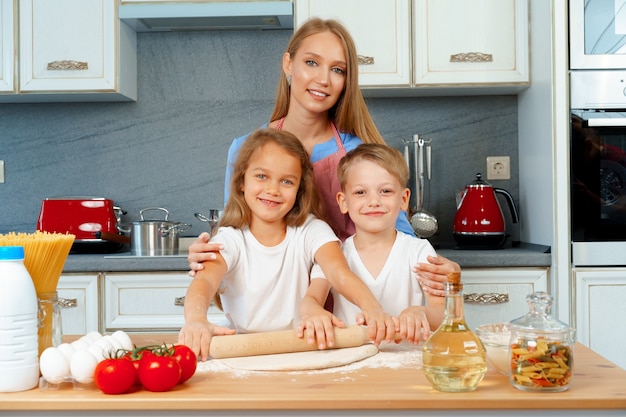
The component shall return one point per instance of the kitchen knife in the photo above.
(286, 341)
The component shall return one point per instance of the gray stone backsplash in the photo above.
(198, 91)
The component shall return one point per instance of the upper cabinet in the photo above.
(381, 31)
(7, 46)
(72, 50)
(432, 47)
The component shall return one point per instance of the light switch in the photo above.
(1, 172)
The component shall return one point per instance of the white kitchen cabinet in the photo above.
(147, 301)
(600, 311)
(80, 293)
(381, 31)
(433, 47)
(7, 46)
(74, 50)
(494, 295)
(471, 42)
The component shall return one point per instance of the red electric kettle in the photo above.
(479, 222)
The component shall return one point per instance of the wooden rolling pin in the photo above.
(286, 341)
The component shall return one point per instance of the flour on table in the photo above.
(395, 356)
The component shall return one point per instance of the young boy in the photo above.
(373, 180)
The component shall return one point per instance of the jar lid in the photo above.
(11, 253)
(539, 317)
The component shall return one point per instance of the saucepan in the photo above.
(154, 237)
(212, 219)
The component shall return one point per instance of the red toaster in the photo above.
(83, 217)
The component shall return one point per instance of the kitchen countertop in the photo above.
(525, 255)
(597, 388)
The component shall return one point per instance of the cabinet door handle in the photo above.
(471, 57)
(179, 301)
(68, 65)
(365, 60)
(486, 298)
(67, 302)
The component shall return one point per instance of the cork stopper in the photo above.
(454, 277)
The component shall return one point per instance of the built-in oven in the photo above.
(598, 168)
(597, 34)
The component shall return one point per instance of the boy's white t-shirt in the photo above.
(264, 285)
(396, 287)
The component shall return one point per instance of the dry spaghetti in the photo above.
(44, 257)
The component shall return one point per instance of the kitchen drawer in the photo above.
(80, 317)
(494, 295)
(147, 301)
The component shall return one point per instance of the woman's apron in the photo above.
(327, 183)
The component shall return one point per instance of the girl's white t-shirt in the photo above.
(396, 287)
(264, 285)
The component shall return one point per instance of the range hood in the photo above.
(161, 16)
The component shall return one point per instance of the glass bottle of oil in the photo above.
(453, 357)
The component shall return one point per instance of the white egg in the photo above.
(124, 339)
(114, 342)
(107, 348)
(67, 349)
(53, 365)
(97, 352)
(94, 335)
(85, 339)
(82, 366)
(79, 344)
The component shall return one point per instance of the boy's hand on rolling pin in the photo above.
(320, 328)
(414, 324)
(380, 325)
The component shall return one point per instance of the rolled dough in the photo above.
(302, 361)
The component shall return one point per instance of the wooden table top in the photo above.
(596, 384)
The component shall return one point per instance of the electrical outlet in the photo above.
(498, 168)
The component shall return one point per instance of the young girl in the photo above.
(271, 241)
(373, 180)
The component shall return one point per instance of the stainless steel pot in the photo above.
(154, 237)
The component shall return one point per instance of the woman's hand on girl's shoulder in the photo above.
(201, 250)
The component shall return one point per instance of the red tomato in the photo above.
(187, 361)
(115, 376)
(158, 372)
(131, 356)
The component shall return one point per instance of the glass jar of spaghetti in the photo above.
(541, 354)
(50, 330)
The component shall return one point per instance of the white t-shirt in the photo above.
(264, 285)
(396, 287)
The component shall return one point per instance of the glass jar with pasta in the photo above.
(541, 354)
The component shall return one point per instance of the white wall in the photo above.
(544, 145)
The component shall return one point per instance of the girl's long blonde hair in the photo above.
(237, 213)
(350, 113)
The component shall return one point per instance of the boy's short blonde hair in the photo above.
(385, 156)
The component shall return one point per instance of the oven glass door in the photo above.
(597, 34)
(598, 176)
